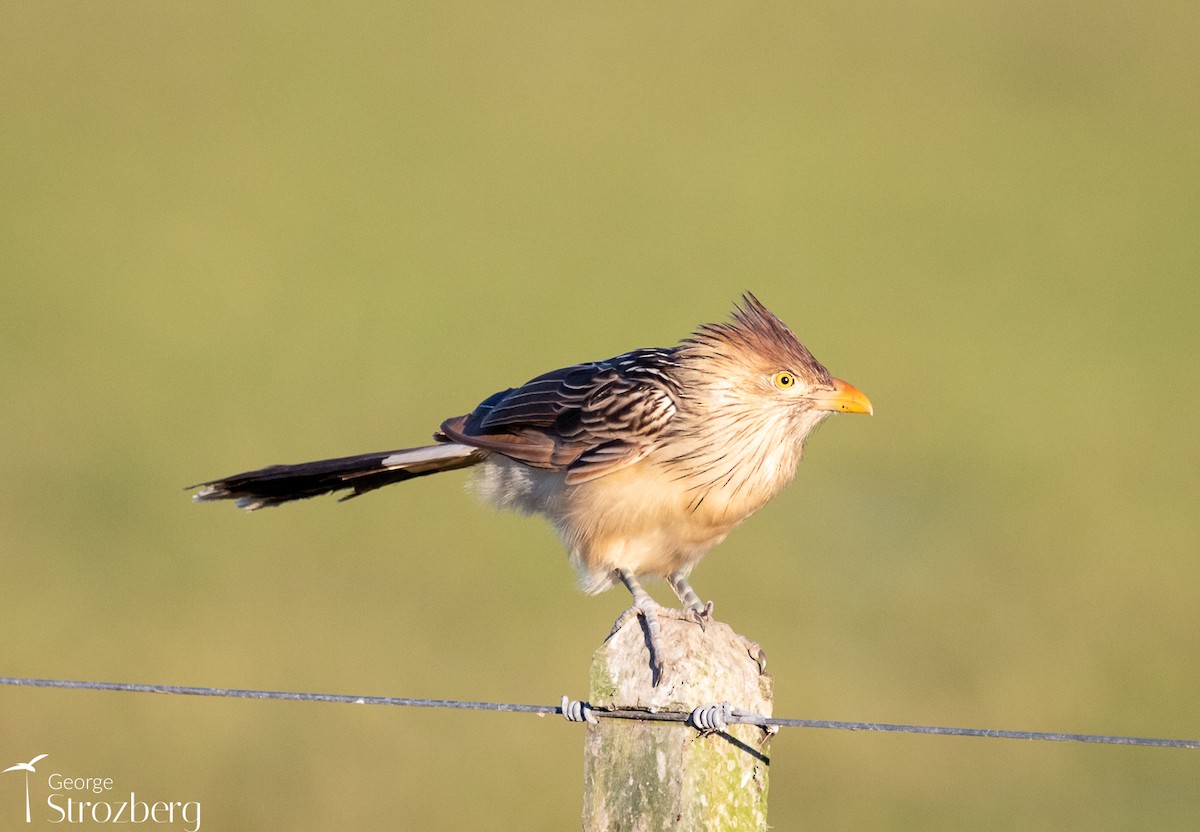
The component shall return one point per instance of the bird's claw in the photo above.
(756, 652)
(701, 615)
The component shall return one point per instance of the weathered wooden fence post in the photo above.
(644, 776)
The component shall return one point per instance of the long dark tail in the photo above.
(277, 484)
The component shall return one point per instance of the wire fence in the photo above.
(735, 717)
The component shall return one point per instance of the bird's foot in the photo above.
(650, 611)
(700, 614)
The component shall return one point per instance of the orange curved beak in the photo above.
(844, 398)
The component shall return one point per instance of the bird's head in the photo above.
(755, 365)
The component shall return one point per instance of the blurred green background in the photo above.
(234, 235)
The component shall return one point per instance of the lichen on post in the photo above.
(643, 776)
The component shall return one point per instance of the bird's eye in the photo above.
(784, 380)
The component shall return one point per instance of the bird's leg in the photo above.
(699, 610)
(649, 611)
(644, 606)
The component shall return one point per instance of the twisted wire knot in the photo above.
(711, 719)
(575, 710)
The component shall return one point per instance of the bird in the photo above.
(642, 463)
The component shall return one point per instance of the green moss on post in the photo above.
(647, 776)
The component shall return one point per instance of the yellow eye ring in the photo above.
(783, 380)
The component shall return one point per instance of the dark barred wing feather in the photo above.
(587, 419)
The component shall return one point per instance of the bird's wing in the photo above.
(588, 419)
